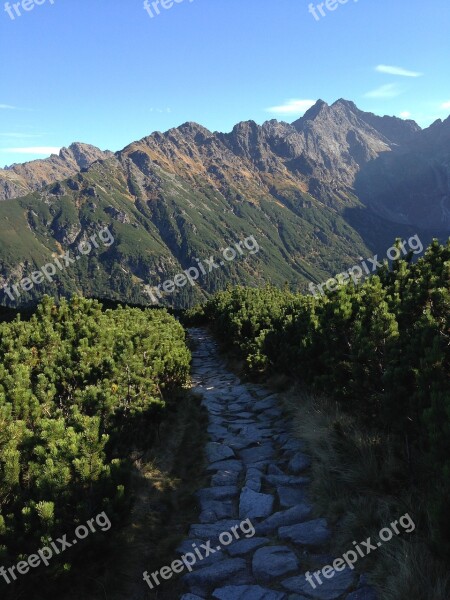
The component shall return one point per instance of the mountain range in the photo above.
(318, 194)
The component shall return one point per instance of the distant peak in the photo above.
(311, 113)
(80, 145)
(246, 125)
(315, 110)
(193, 127)
(83, 154)
(346, 103)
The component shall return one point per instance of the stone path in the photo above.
(259, 471)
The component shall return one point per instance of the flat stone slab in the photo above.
(238, 425)
(265, 422)
(216, 452)
(212, 531)
(275, 470)
(253, 484)
(221, 492)
(310, 533)
(260, 464)
(253, 504)
(217, 430)
(213, 409)
(266, 404)
(273, 413)
(331, 589)
(213, 510)
(225, 478)
(239, 422)
(290, 496)
(226, 465)
(203, 581)
(242, 547)
(253, 479)
(238, 407)
(251, 432)
(237, 442)
(238, 390)
(246, 396)
(258, 390)
(258, 453)
(298, 463)
(247, 592)
(287, 480)
(273, 561)
(292, 516)
(293, 446)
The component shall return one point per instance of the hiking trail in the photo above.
(259, 471)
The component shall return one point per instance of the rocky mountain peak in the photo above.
(19, 179)
(331, 152)
(311, 114)
(84, 154)
(194, 130)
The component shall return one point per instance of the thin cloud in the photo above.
(389, 90)
(161, 110)
(34, 150)
(397, 71)
(292, 107)
(405, 114)
(20, 135)
(445, 105)
(11, 107)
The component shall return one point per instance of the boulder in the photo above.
(272, 562)
(216, 452)
(253, 504)
(203, 581)
(310, 533)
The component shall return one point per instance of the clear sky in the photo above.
(107, 73)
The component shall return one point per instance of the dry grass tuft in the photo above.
(360, 482)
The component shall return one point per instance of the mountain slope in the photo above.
(161, 224)
(173, 198)
(411, 185)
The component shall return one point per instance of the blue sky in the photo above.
(104, 72)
